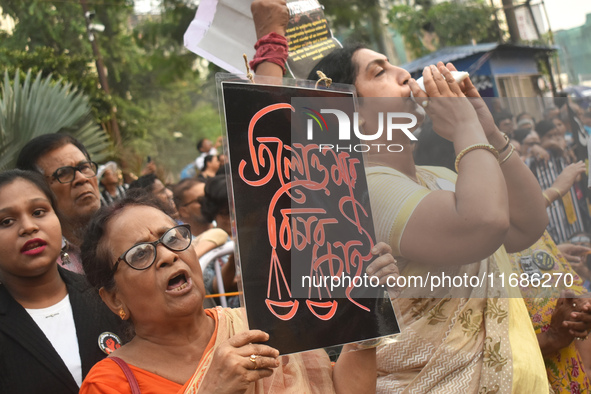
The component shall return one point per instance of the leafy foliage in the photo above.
(43, 106)
(74, 68)
(430, 27)
(359, 21)
(58, 25)
(156, 86)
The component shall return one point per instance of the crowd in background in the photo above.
(87, 256)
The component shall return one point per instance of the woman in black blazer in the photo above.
(53, 326)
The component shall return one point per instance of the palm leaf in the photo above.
(42, 106)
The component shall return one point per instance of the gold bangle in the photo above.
(508, 142)
(470, 148)
(557, 191)
(509, 155)
(547, 198)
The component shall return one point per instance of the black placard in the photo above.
(281, 184)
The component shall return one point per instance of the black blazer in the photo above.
(29, 363)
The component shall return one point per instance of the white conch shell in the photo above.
(459, 76)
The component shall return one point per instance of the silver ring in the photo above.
(253, 359)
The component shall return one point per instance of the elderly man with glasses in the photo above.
(71, 175)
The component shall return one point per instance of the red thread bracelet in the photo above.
(270, 48)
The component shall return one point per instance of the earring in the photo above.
(122, 314)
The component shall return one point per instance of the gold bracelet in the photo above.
(547, 198)
(470, 148)
(509, 155)
(508, 142)
(557, 191)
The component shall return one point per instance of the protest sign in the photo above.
(302, 221)
(223, 30)
(308, 35)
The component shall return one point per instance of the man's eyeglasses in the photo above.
(142, 256)
(68, 173)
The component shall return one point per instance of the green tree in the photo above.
(428, 27)
(158, 87)
(58, 25)
(168, 95)
(43, 106)
(51, 37)
(74, 68)
(358, 21)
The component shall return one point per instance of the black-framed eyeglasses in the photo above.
(141, 256)
(68, 173)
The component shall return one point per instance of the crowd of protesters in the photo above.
(82, 263)
(547, 147)
(55, 322)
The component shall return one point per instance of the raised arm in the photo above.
(469, 224)
(565, 180)
(270, 16)
(527, 208)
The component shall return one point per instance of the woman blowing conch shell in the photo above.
(483, 341)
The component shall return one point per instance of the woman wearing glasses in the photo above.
(53, 327)
(146, 273)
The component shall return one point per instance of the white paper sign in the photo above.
(221, 32)
(525, 24)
